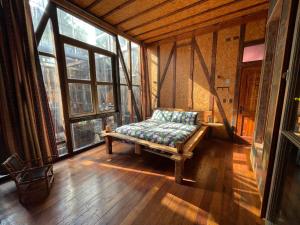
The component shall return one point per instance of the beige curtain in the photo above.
(25, 115)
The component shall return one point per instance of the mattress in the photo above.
(160, 132)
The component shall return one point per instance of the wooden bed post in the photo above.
(179, 167)
(137, 149)
(108, 143)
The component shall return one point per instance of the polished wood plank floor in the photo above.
(94, 188)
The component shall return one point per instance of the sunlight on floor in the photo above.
(184, 208)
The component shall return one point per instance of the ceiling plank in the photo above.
(166, 15)
(200, 18)
(93, 4)
(116, 9)
(70, 7)
(176, 17)
(143, 12)
(219, 24)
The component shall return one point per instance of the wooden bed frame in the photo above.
(182, 151)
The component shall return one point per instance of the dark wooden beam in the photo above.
(128, 81)
(60, 58)
(238, 77)
(116, 9)
(195, 30)
(166, 67)
(165, 16)
(213, 90)
(43, 23)
(144, 12)
(70, 7)
(195, 24)
(158, 75)
(191, 80)
(93, 4)
(174, 76)
(213, 69)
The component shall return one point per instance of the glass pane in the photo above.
(124, 44)
(77, 60)
(85, 133)
(103, 68)
(112, 122)
(122, 74)
(62, 149)
(47, 41)
(125, 108)
(136, 66)
(80, 98)
(105, 97)
(37, 8)
(52, 86)
(297, 122)
(76, 28)
(254, 53)
(137, 96)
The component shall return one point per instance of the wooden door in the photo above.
(247, 100)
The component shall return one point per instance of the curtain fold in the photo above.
(26, 119)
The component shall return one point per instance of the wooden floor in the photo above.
(93, 188)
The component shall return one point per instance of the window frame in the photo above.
(92, 50)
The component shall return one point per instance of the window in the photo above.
(52, 85)
(254, 53)
(37, 8)
(86, 133)
(76, 28)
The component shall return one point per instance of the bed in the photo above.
(171, 133)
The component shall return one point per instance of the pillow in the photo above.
(184, 117)
(161, 115)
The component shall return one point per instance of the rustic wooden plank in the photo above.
(174, 75)
(93, 4)
(214, 92)
(144, 12)
(158, 75)
(210, 26)
(166, 67)
(137, 149)
(166, 15)
(238, 76)
(197, 22)
(142, 142)
(116, 9)
(191, 80)
(213, 69)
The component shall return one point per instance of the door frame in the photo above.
(244, 65)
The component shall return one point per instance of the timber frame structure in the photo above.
(182, 151)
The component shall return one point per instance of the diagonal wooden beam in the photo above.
(166, 15)
(213, 90)
(43, 23)
(128, 81)
(114, 10)
(167, 66)
(144, 11)
(93, 4)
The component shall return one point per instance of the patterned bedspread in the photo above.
(157, 131)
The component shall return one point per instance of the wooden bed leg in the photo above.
(108, 143)
(179, 167)
(137, 149)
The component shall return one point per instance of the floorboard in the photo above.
(124, 188)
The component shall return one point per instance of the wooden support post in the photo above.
(179, 168)
(179, 146)
(137, 149)
(108, 143)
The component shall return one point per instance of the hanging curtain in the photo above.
(25, 117)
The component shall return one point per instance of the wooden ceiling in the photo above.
(154, 20)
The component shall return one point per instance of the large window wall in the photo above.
(86, 88)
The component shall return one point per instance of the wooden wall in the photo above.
(185, 84)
